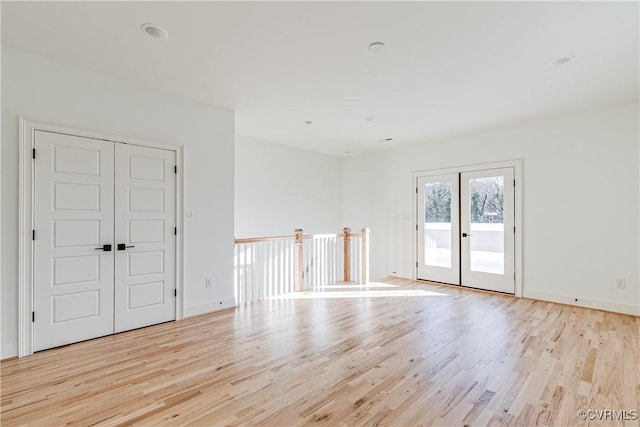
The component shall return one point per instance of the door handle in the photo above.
(467, 234)
(123, 246)
(106, 248)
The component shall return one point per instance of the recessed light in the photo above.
(386, 140)
(154, 31)
(376, 47)
(561, 60)
(347, 152)
(308, 123)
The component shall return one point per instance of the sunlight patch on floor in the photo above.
(351, 286)
(362, 293)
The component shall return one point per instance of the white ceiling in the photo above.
(449, 67)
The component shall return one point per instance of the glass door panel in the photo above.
(487, 224)
(437, 224)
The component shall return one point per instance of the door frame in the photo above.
(516, 164)
(26, 194)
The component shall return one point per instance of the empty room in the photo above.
(320, 213)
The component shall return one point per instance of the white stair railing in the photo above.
(263, 267)
(320, 261)
(267, 267)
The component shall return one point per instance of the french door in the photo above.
(439, 230)
(466, 229)
(104, 243)
(487, 230)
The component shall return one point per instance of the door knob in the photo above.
(467, 234)
(106, 248)
(123, 246)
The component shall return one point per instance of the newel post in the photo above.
(364, 277)
(347, 254)
(298, 264)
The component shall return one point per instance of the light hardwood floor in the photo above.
(400, 354)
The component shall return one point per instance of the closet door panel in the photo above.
(145, 191)
(73, 221)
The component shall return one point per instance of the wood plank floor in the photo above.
(399, 354)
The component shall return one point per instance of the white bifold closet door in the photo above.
(104, 243)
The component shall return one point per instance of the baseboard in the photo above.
(208, 307)
(9, 350)
(597, 304)
(605, 305)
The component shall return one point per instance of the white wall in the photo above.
(580, 195)
(581, 186)
(44, 90)
(279, 189)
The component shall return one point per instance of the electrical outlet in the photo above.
(208, 283)
(620, 284)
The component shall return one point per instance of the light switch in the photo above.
(189, 216)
